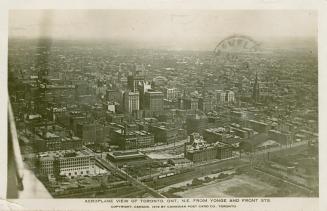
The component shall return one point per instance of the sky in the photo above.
(190, 28)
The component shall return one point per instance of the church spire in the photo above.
(255, 93)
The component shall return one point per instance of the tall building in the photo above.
(153, 101)
(112, 95)
(255, 91)
(190, 103)
(221, 96)
(133, 81)
(230, 95)
(194, 104)
(131, 101)
(225, 97)
(143, 87)
(205, 104)
(170, 93)
(139, 68)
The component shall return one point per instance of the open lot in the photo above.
(249, 183)
(238, 186)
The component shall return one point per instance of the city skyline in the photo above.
(103, 120)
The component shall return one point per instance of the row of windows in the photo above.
(50, 170)
(74, 162)
(71, 169)
(75, 173)
(46, 171)
(75, 159)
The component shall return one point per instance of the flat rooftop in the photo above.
(136, 132)
(63, 154)
(216, 130)
(207, 146)
(125, 155)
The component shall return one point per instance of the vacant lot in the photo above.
(238, 186)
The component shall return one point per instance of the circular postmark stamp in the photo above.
(236, 44)
(233, 54)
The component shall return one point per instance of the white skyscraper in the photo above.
(131, 101)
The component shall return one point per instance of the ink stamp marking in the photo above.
(236, 44)
(232, 52)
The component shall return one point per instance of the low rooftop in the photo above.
(63, 154)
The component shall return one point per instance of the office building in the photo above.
(230, 95)
(69, 163)
(90, 132)
(170, 94)
(134, 80)
(143, 87)
(221, 97)
(205, 104)
(153, 101)
(131, 101)
(131, 139)
(197, 150)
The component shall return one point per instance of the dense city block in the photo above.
(96, 119)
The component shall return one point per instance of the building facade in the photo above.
(164, 134)
(66, 163)
(132, 139)
(153, 101)
(131, 101)
(197, 150)
(170, 94)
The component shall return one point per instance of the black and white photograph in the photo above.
(149, 104)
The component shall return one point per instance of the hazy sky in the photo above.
(165, 27)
